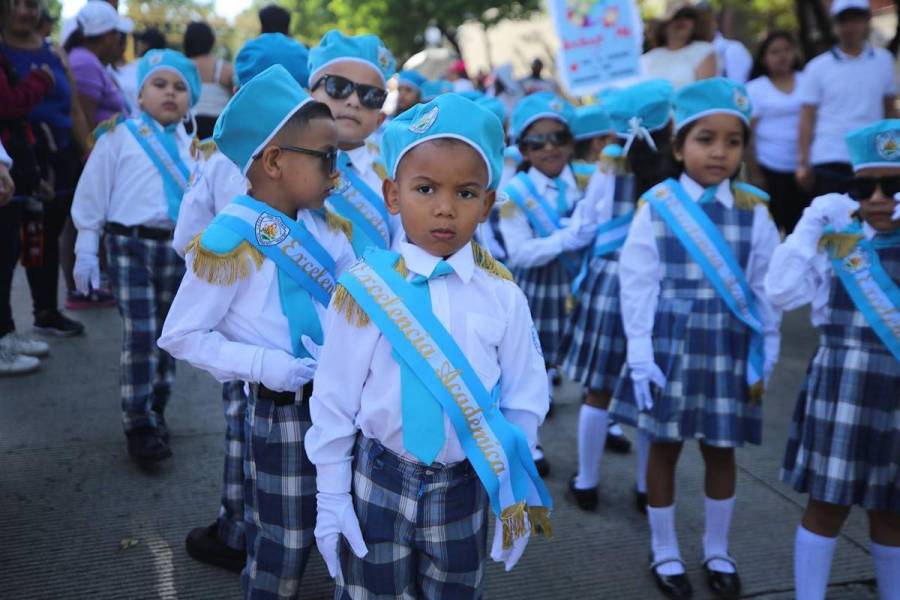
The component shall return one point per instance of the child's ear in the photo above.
(269, 162)
(489, 199)
(391, 192)
(677, 150)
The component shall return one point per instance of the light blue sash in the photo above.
(364, 207)
(872, 290)
(306, 271)
(708, 248)
(610, 237)
(497, 450)
(160, 147)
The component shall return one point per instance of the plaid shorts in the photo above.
(425, 528)
(145, 274)
(231, 510)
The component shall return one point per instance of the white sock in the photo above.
(715, 540)
(812, 564)
(643, 453)
(592, 424)
(887, 570)
(550, 372)
(663, 539)
(538, 452)
(615, 429)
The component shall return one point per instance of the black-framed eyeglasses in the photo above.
(539, 141)
(328, 158)
(863, 188)
(339, 88)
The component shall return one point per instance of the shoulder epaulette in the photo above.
(748, 197)
(379, 169)
(583, 172)
(486, 261)
(105, 127)
(223, 268)
(336, 222)
(613, 160)
(345, 303)
(203, 149)
(508, 209)
(839, 244)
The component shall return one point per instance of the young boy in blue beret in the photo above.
(251, 304)
(409, 89)
(431, 387)
(131, 189)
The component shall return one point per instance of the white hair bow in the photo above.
(636, 130)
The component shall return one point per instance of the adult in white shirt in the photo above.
(681, 55)
(775, 97)
(845, 88)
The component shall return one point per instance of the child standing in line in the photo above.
(249, 309)
(593, 131)
(844, 445)
(131, 189)
(698, 323)
(431, 386)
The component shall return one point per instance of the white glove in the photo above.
(335, 517)
(86, 272)
(834, 210)
(896, 215)
(642, 375)
(510, 556)
(314, 349)
(577, 234)
(281, 372)
(772, 347)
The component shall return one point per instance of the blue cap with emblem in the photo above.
(447, 116)
(256, 113)
(711, 97)
(433, 89)
(411, 78)
(647, 105)
(365, 49)
(269, 49)
(174, 61)
(875, 145)
(590, 122)
(542, 105)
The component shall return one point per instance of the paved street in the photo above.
(78, 520)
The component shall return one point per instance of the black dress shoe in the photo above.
(676, 587)
(543, 467)
(640, 501)
(585, 499)
(146, 446)
(723, 585)
(618, 443)
(162, 428)
(205, 545)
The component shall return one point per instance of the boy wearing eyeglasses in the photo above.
(844, 447)
(349, 74)
(249, 308)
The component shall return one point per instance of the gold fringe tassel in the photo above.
(336, 222)
(841, 243)
(513, 520)
(582, 181)
(539, 517)
(204, 149)
(745, 200)
(508, 209)
(486, 261)
(224, 269)
(756, 392)
(614, 165)
(345, 303)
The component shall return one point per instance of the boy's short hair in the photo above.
(311, 110)
(274, 19)
(199, 39)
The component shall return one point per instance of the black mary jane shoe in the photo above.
(723, 585)
(205, 545)
(617, 443)
(675, 587)
(640, 501)
(584, 499)
(543, 467)
(146, 446)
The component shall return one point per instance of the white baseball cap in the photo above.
(839, 6)
(98, 17)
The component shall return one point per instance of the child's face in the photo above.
(165, 97)
(876, 210)
(407, 97)
(355, 122)
(713, 149)
(306, 178)
(548, 145)
(441, 195)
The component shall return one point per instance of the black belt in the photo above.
(284, 398)
(139, 231)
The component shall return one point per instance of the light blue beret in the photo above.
(433, 89)
(876, 145)
(170, 60)
(710, 97)
(542, 105)
(269, 49)
(590, 122)
(367, 49)
(647, 104)
(412, 78)
(493, 104)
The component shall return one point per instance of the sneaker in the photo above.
(205, 545)
(53, 322)
(17, 343)
(17, 364)
(95, 299)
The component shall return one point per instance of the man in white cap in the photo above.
(845, 88)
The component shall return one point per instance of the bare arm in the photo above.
(890, 107)
(707, 67)
(804, 141)
(89, 108)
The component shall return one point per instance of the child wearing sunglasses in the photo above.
(349, 75)
(844, 446)
(699, 326)
(430, 387)
(250, 307)
(539, 231)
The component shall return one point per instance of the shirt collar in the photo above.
(361, 158)
(543, 183)
(839, 54)
(695, 190)
(422, 263)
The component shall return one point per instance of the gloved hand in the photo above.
(314, 349)
(86, 272)
(896, 215)
(833, 209)
(642, 375)
(336, 517)
(772, 347)
(281, 372)
(579, 233)
(510, 556)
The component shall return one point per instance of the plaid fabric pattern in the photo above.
(279, 499)
(701, 347)
(145, 274)
(231, 509)
(844, 442)
(548, 290)
(425, 528)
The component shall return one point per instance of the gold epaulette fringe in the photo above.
(486, 261)
(614, 165)
(336, 222)
(345, 303)
(508, 209)
(380, 170)
(582, 181)
(204, 149)
(841, 244)
(756, 392)
(513, 520)
(224, 269)
(745, 200)
(104, 127)
(539, 517)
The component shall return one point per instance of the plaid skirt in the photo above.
(593, 347)
(548, 290)
(844, 443)
(702, 349)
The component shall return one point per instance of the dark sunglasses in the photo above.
(339, 88)
(329, 158)
(863, 188)
(539, 141)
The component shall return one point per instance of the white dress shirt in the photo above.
(362, 161)
(640, 271)
(224, 329)
(357, 384)
(216, 181)
(524, 248)
(120, 184)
